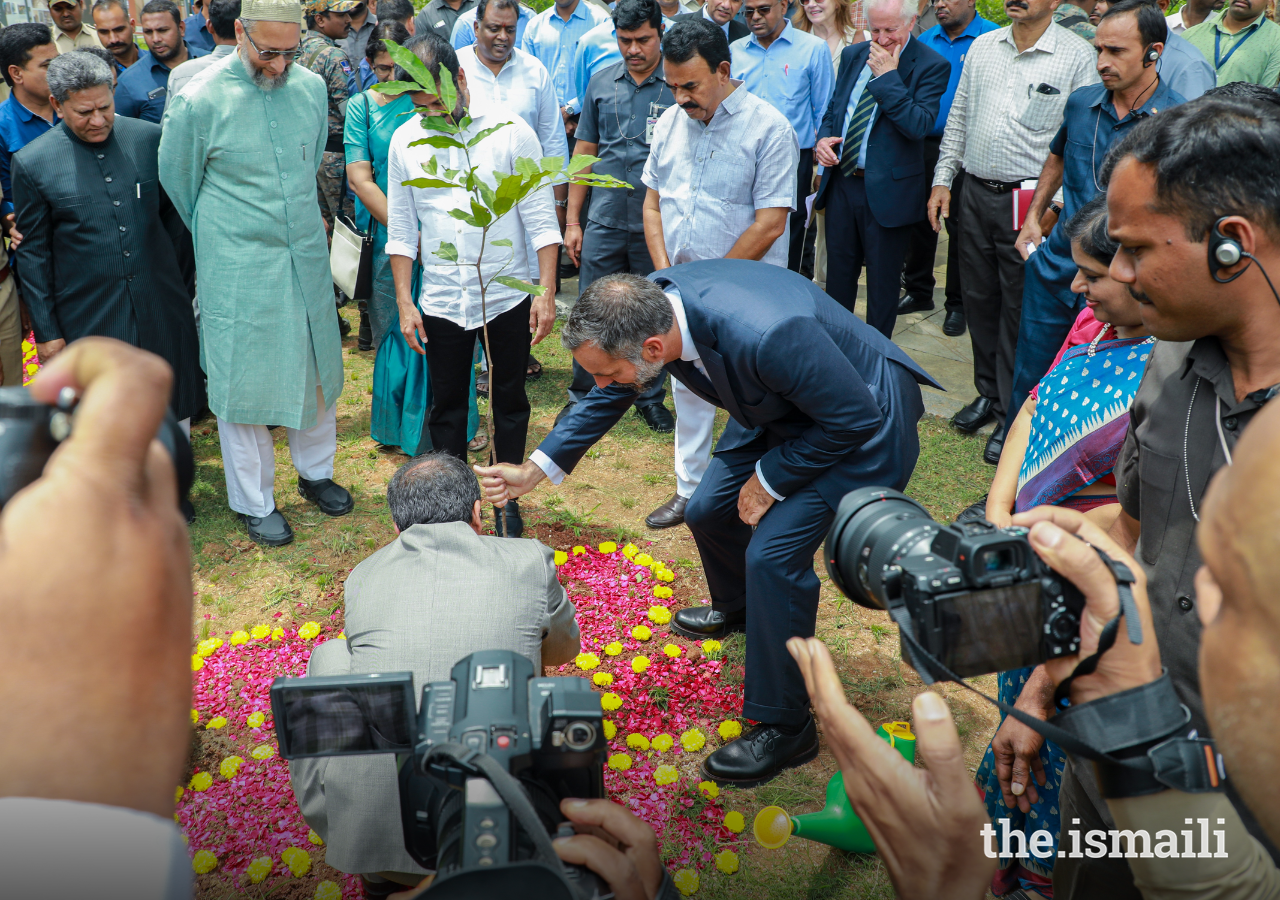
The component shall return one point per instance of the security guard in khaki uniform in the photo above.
(329, 21)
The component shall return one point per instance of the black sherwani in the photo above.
(104, 251)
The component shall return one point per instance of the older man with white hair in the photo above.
(871, 143)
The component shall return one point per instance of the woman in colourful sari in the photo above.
(1060, 450)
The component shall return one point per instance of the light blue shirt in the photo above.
(794, 76)
(555, 43)
(464, 29)
(598, 49)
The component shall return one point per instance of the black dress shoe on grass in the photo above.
(509, 523)
(974, 416)
(669, 514)
(699, 623)
(760, 754)
(995, 444)
(333, 499)
(909, 304)
(954, 324)
(657, 417)
(269, 531)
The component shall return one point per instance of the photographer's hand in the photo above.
(614, 844)
(926, 823)
(1125, 665)
(95, 592)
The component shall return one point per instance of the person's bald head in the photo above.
(1238, 597)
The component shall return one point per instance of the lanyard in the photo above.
(1218, 60)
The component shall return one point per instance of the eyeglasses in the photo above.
(749, 12)
(384, 73)
(269, 55)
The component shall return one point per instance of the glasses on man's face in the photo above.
(751, 12)
(269, 55)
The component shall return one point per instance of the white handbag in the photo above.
(351, 259)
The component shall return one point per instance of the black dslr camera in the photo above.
(975, 598)
(483, 765)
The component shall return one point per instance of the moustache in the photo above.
(1015, 4)
(689, 106)
(1138, 295)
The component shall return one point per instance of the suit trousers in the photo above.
(917, 273)
(450, 358)
(991, 274)
(804, 187)
(768, 571)
(249, 459)
(10, 334)
(854, 239)
(607, 251)
(695, 423)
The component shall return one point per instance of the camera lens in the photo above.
(580, 735)
(873, 529)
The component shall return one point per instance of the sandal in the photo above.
(482, 384)
(533, 371)
(478, 443)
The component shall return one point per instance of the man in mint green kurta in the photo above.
(238, 157)
(1240, 42)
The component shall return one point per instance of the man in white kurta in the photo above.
(239, 155)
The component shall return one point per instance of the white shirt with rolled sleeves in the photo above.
(523, 86)
(712, 178)
(418, 218)
(1000, 126)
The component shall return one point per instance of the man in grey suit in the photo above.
(437, 593)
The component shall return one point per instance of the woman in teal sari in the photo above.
(401, 389)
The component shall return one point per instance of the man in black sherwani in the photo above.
(103, 251)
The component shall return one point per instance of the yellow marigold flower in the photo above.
(263, 751)
(201, 781)
(659, 615)
(710, 788)
(630, 551)
(298, 861)
(734, 822)
(258, 632)
(203, 862)
(637, 741)
(315, 838)
(693, 740)
(662, 742)
(216, 722)
(727, 861)
(611, 701)
(729, 729)
(672, 650)
(177, 793)
(308, 631)
(614, 649)
(255, 720)
(195, 716)
(643, 559)
(328, 890)
(620, 761)
(639, 664)
(342, 636)
(687, 881)
(609, 729)
(561, 557)
(666, 775)
(578, 551)
(608, 547)
(641, 633)
(662, 592)
(208, 646)
(259, 869)
(240, 637)
(604, 679)
(277, 634)
(711, 648)
(230, 767)
(196, 663)
(586, 661)
(666, 575)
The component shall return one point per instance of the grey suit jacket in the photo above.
(434, 595)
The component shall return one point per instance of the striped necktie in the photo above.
(854, 133)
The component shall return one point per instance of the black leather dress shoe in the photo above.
(269, 531)
(669, 514)
(909, 304)
(995, 444)
(702, 622)
(188, 511)
(333, 499)
(657, 417)
(953, 325)
(760, 754)
(974, 416)
(509, 523)
(564, 412)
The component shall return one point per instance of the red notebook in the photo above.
(1021, 203)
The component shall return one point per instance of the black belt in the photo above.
(997, 187)
(334, 144)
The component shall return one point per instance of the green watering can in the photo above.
(836, 824)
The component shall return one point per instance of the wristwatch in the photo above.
(562, 203)
(1055, 209)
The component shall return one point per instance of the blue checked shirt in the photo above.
(555, 43)
(794, 76)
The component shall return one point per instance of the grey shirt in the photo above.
(356, 42)
(616, 116)
(181, 76)
(439, 16)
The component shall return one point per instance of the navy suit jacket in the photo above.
(908, 99)
(737, 27)
(829, 399)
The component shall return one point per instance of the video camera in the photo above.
(483, 765)
(974, 597)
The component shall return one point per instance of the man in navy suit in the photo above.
(819, 404)
(875, 186)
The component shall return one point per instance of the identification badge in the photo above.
(649, 122)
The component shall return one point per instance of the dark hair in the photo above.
(384, 31)
(496, 4)
(631, 15)
(16, 43)
(1152, 27)
(395, 11)
(432, 489)
(618, 313)
(1245, 91)
(434, 51)
(1088, 227)
(107, 4)
(222, 15)
(162, 6)
(1211, 157)
(696, 35)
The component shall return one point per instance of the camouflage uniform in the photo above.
(1075, 20)
(323, 56)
